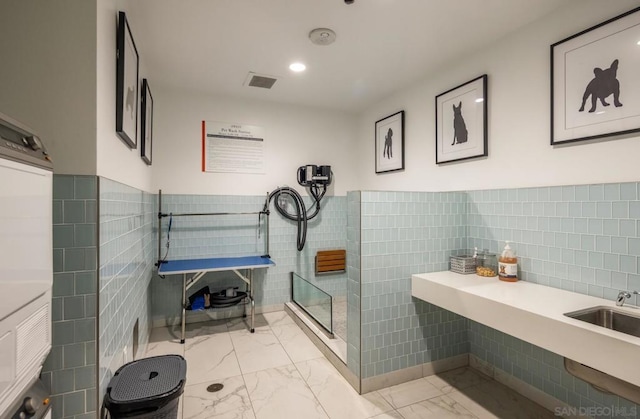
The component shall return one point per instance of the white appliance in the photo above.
(26, 269)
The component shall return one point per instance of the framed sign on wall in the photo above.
(232, 148)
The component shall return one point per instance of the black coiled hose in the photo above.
(301, 215)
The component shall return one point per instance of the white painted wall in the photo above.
(60, 80)
(115, 160)
(520, 154)
(295, 136)
(48, 77)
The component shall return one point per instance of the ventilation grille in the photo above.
(32, 335)
(257, 80)
(7, 361)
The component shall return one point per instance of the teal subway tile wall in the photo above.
(403, 233)
(70, 369)
(583, 238)
(545, 371)
(126, 264)
(354, 200)
(238, 235)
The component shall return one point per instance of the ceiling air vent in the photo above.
(260, 80)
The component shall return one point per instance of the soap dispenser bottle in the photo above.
(508, 265)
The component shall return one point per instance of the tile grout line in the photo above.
(244, 381)
(299, 372)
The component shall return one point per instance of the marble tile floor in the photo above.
(277, 373)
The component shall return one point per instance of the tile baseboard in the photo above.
(413, 373)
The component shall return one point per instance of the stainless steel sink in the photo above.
(610, 318)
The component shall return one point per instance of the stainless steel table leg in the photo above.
(246, 300)
(253, 304)
(184, 306)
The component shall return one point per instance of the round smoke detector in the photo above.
(322, 36)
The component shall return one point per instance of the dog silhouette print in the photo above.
(388, 142)
(459, 127)
(130, 102)
(603, 85)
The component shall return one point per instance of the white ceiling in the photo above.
(382, 45)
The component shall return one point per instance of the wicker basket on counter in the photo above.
(463, 264)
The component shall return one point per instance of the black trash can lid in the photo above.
(149, 378)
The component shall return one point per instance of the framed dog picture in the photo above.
(390, 143)
(595, 81)
(126, 84)
(461, 122)
(146, 122)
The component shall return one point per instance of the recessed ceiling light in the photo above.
(297, 67)
(479, 100)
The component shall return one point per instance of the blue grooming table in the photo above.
(199, 267)
(173, 267)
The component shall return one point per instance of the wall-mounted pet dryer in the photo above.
(316, 178)
(314, 175)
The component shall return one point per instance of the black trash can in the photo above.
(148, 388)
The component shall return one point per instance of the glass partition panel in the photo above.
(315, 302)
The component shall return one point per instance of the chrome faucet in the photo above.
(623, 295)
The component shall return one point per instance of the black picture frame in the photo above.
(146, 123)
(127, 86)
(461, 122)
(595, 88)
(389, 146)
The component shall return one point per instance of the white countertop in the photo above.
(535, 313)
